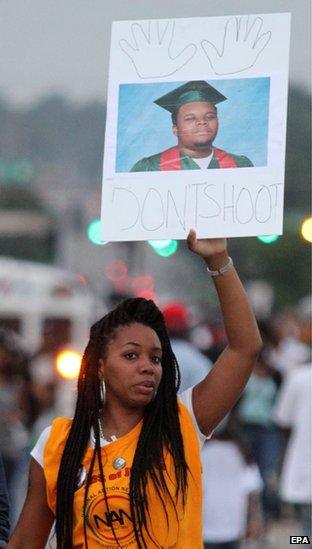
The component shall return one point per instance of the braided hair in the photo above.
(160, 429)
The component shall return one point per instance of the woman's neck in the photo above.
(118, 421)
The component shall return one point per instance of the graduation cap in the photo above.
(196, 90)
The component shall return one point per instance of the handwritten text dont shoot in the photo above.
(151, 209)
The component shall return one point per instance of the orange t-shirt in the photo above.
(182, 533)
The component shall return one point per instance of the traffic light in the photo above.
(68, 364)
(94, 233)
(306, 229)
(269, 239)
(164, 248)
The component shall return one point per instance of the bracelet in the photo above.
(222, 270)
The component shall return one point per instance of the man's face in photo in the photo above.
(196, 125)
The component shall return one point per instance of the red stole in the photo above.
(171, 160)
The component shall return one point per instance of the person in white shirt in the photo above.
(293, 411)
(232, 486)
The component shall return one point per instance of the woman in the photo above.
(135, 482)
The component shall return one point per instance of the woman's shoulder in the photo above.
(59, 426)
(185, 397)
(58, 429)
(186, 411)
(61, 422)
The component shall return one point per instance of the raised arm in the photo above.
(217, 393)
(34, 525)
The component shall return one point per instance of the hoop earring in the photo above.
(102, 391)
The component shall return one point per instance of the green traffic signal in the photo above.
(94, 233)
(164, 248)
(269, 239)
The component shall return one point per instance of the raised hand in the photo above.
(151, 54)
(242, 44)
(205, 247)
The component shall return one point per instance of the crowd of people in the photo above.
(269, 428)
(257, 459)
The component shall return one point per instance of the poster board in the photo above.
(147, 194)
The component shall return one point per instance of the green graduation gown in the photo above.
(153, 163)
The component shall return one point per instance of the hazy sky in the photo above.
(63, 45)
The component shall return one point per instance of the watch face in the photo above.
(81, 477)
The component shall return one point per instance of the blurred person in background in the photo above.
(232, 487)
(288, 351)
(270, 343)
(303, 311)
(4, 508)
(17, 413)
(293, 415)
(193, 365)
(45, 379)
(209, 336)
(47, 408)
(219, 341)
(43, 361)
(255, 411)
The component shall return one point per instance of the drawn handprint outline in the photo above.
(151, 44)
(239, 35)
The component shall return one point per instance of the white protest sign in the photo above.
(196, 127)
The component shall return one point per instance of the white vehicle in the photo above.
(39, 301)
(35, 296)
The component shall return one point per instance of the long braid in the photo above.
(160, 430)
